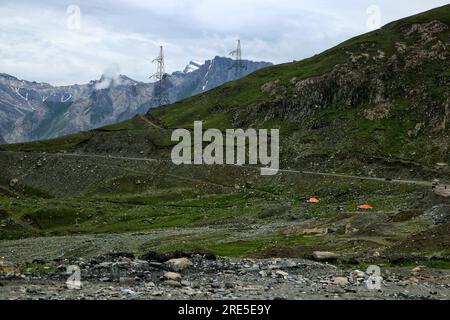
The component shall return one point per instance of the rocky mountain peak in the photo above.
(110, 81)
(35, 111)
(192, 66)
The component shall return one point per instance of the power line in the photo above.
(160, 95)
(238, 65)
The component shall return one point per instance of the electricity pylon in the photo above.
(238, 65)
(160, 95)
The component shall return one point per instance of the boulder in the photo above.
(6, 267)
(340, 281)
(325, 256)
(13, 182)
(179, 264)
(172, 276)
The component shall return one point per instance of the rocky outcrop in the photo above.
(414, 70)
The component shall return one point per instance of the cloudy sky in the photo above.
(66, 42)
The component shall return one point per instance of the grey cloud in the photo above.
(35, 43)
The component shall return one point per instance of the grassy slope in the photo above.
(356, 136)
(196, 198)
(246, 91)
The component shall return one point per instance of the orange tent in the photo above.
(313, 200)
(365, 207)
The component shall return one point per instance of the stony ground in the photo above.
(71, 211)
(204, 276)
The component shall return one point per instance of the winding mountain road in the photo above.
(441, 188)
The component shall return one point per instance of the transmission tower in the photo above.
(238, 65)
(160, 95)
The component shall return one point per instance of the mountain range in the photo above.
(35, 111)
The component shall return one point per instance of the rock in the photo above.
(127, 280)
(281, 274)
(172, 283)
(140, 264)
(325, 256)
(285, 264)
(273, 88)
(188, 291)
(412, 281)
(439, 214)
(39, 261)
(13, 182)
(186, 283)
(254, 268)
(179, 264)
(358, 274)
(381, 111)
(340, 281)
(229, 285)
(33, 291)
(349, 229)
(376, 254)
(418, 269)
(6, 267)
(216, 285)
(128, 291)
(249, 184)
(105, 265)
(172, 276)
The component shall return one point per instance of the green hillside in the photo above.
(374, 101)
(365, 122)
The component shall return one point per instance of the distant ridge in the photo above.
(34, 111)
